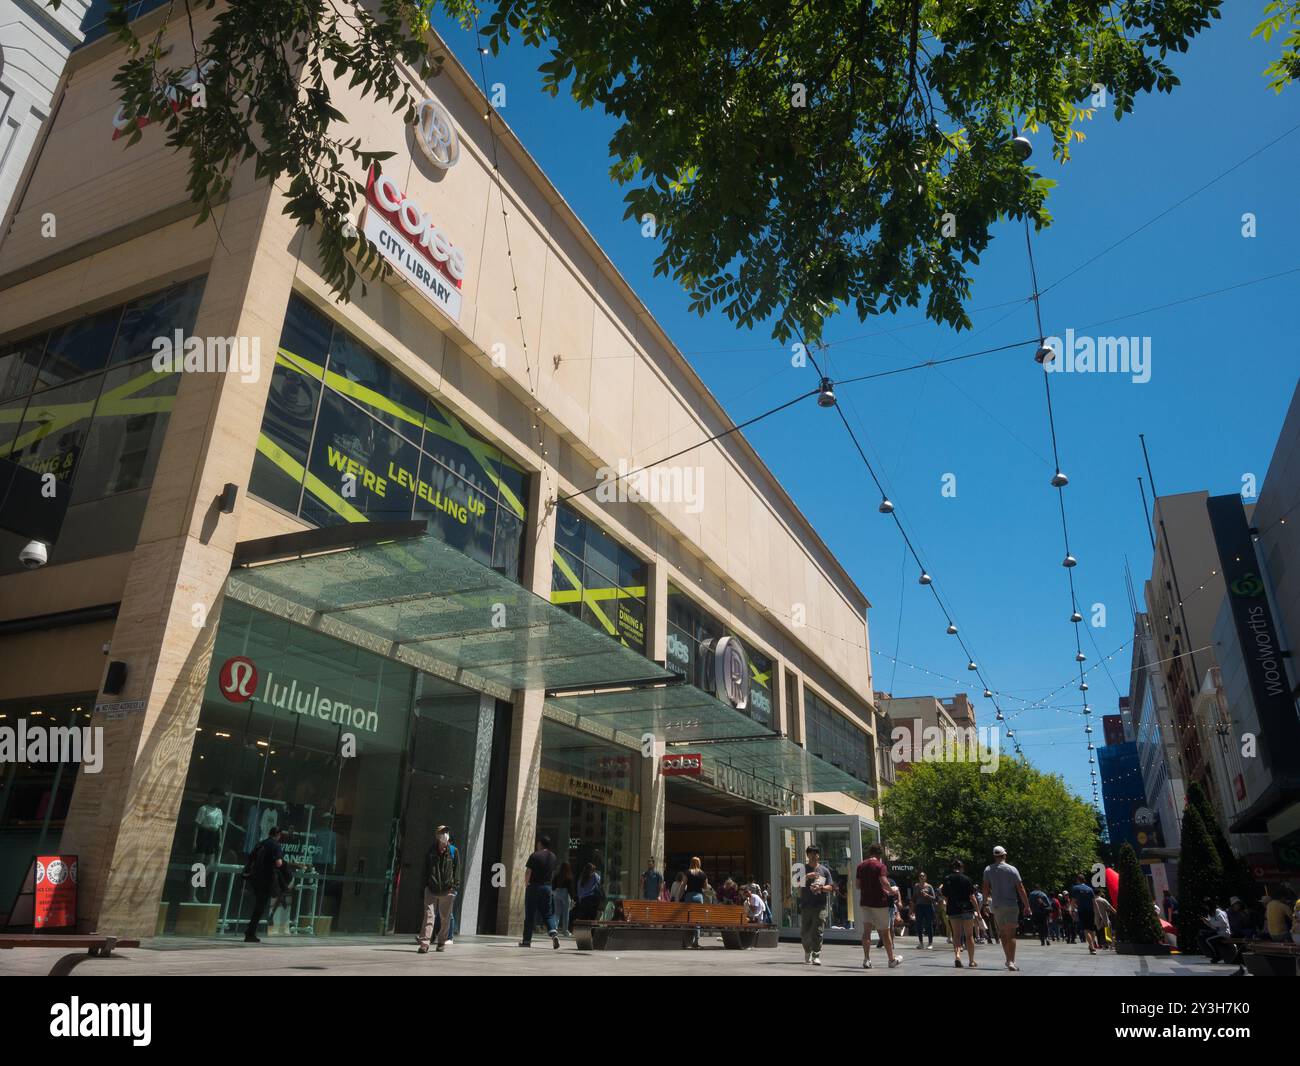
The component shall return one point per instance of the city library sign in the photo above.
(413, 244)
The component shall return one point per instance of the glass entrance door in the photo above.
(842, 840)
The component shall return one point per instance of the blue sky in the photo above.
(1223, 370)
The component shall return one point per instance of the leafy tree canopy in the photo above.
(799, 157)
(939, 811)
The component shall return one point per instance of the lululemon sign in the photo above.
(238, 679)
(416, 247)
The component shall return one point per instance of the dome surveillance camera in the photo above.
(34, 555)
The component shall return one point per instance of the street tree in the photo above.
(939, 811)
(799, 157)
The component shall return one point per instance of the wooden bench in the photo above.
(97, 947)
(651, 924)
(1266, 958)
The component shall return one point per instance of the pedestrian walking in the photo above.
(441, 883)
(1006, 891)
(1083, 898)
(262, 875)
(539, 898)
(696, 882)
(1054, 920)
(875, 894)
(1040, 907)
(814, 894)
(958, 893)
(563, 895)
(924, 898)
(651, 880)
(1104, 914)
(981, 925)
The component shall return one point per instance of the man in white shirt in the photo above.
(1215, 933)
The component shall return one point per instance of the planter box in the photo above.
(1142, 949)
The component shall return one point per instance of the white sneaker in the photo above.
(817, 958)
(866, 964)
(1012, 966)
(807, 957)
(895, 961)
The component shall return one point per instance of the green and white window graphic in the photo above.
(345, 438)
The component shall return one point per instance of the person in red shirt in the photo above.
(875, 894)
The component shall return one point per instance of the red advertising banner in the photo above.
(56, 892)
(683, 765)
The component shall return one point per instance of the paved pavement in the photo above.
(469, 956)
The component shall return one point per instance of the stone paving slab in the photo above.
(471, 956)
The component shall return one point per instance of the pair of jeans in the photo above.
(1210, 941)
(539, 902)
(260, 900)
(924, 922)
(1040, 924)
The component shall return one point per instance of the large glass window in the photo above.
(588, 805)
(834, 738)
(690, 627)
(346, 438)
(83, 402)
(598, 580)
(354, 813)
(34, 796)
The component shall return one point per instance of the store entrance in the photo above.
(723, 831)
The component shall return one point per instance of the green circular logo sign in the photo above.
(1250, 585)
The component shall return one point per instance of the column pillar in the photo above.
(525, 759)
(653, 785)
(121, 821)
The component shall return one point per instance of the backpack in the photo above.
(250, 867)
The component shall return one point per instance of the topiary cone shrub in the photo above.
(1199, 876)
(1136, 922)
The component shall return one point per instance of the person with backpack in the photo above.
(1040, 908)
(262, 873)
(441, 883)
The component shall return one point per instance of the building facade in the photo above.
(359, 569)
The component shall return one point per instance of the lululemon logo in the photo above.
(238, 680)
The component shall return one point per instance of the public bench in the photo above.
(97, 947)
(1266, 958)
(653, 924)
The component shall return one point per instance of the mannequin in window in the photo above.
(208, 825)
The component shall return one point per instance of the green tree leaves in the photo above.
(940, 811)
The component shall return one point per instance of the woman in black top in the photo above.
(696, 881)
(959, 893)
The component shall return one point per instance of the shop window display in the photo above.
(283, 758)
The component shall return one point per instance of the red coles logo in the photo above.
(238, 679)
(384, 196)
(682, 765)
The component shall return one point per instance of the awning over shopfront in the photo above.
(401, 593)
(786, 764)
(427, 604)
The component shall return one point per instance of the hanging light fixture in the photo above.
(925, 578)
(826, 394)
(952, 630)
(1023, 148)
(988, 695)
(1087, 729)
(886, 506)
(1083, 686)
(1044, 355)
(971, 665)
(1076, 617)
(1069, 561)
(1059, 480)
(1000, 717)
(1080, 657)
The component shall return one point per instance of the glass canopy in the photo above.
(783, 762)
(425, 603)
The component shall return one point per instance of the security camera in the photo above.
(34, 555)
